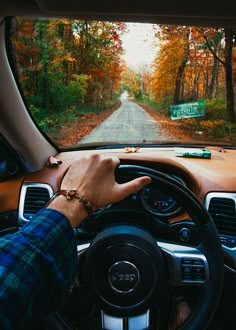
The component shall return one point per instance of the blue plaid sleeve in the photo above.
(37, 266)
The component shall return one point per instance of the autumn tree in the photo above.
(202, 70)
(60, 61)
(130, 81)
(176, 37)
(189, 64)
(99, 55)
(167, 63)
(229, 35)
(184, 58)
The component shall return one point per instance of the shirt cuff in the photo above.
(50, 227)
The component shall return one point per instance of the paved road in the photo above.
(129, 123)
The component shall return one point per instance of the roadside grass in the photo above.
(212, 127)
(67, 128)
(52, 122)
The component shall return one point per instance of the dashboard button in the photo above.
(185, 235)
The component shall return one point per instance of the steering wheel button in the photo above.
(185, 234)
(187, 277)
(198, 262)
(187, 270)
(186, 261)
(199, 277)
(198, 269)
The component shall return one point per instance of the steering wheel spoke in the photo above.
(81, 248)
(186, 265)
(137, 322)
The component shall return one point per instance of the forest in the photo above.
(69, 68)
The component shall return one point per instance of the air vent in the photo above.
(223, 212)
(34, 196)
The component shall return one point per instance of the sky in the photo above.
(137, 44)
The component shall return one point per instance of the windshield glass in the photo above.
(126, 83)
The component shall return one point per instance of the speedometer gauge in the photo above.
(158, 202)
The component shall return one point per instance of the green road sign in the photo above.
(187, 110)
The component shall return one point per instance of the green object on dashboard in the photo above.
(193, 152)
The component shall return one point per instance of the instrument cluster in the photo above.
(150, 199)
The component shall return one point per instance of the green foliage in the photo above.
(59, 97)
(162, 107)
(35, 102)
(124, 88)
(137, 93)
(38, 113)
(87, 108)
(61, 61)
(42, 118)
(216, 109)
(51, 122)
(78, 87)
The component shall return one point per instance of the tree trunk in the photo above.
(217, 79)
(44, 81)
(213, 77)
(229, 35)
(181, 68)
(194, 95)
(229, 74)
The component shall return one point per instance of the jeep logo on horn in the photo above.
(123, 276)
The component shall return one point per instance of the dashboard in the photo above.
(213, 181)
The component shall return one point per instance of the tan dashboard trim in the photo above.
(9, 194)
(201, 175)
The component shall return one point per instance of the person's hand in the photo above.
(93, 176)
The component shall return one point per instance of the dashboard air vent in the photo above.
(223, 212)
(33, 198)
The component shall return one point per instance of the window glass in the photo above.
(114, 82)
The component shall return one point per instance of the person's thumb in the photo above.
(134, 185)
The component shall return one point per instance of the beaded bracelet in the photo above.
(71, 194)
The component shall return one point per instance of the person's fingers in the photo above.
(110, 161)
(133, 186)
(115, 159)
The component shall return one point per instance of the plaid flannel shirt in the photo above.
(37, 266)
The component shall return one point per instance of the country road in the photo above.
(129, 123)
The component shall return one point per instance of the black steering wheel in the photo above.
(129, 272)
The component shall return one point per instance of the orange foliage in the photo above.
(199, 68)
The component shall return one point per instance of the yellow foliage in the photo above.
(166, 66)
(211, 124)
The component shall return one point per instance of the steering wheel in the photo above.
(130, 272)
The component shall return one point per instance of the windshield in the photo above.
(126, 83)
